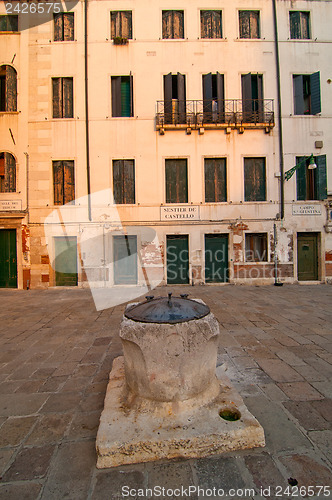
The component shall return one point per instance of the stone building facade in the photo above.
(169, 116)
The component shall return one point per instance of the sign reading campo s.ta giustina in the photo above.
(35, 12)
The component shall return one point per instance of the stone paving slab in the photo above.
(56, 352)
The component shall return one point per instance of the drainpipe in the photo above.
(281, 152)
(87, 140)
(27, 185)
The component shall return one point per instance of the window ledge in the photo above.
(10, 112)
(10, 33)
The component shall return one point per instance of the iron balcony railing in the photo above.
(215, 113)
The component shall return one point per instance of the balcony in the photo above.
(224, 114)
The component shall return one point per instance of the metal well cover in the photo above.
(167, 310)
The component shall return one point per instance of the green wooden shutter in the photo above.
(128, 181)
(68, 26)
(68, 181)
(125, 97)
(12, 23)
(57, 97)
(315, 93)
(11, 89)
(10, 173)
(321, 178)
(58, 183)
(298, 95)
(68, 104)
(301, 179)
(58, 27)
(3, 23)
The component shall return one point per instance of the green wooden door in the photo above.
(307, 256)
(8, 258)
(177, 260)
(125, 260)
(216, 258)
(65, 264)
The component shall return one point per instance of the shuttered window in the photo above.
(122, 96)
(173, 24)
(213, 98)
(63, 182)
(176, 181)
(311, 184)
(249, 24)
(121, 24)
(307, 96)
(299, 25)
(124, 181)
(63, 97)
(7, 173)
(8, 23)
(64, 27)
(252, 98)
(256, 247)
(8, 89)
(175, 98)
(211, 24)
(215, 180)
(254, 179)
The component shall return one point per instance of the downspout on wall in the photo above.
(281, 151)
(86, 90)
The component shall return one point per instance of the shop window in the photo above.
(8, 23)
(254, 179)
(256, 247)
(7, 173)
(63, 182)
(122, 96)
(64, 27)
(311, 184)
(215, 180)
(121, 24)
(173, 24)
(8, 89)
(252, 98)
(249, 24)
(307, 99)
(299, 25)
(63, 97)
(175, 98)
(211, 24)
(213, 98)
(176, 181)
(124, 181)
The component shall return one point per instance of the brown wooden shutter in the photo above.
(168, 98)
(170, 177)
(58, 183)
(305, 30)
(126, 24)
(116, 95)
(209, 180)
(68, 181)
(205, 24)
(128, 181)
(57, 97)
(58, 27)
(216, 28)
(11, 89)
(254, 24)
(181, 181)
(254, 179)
(178, 24)
(221, 97)
(181, 81)
(10, 173)
(118, 181)
(114, 16)
(167, 24)
(68, 26)
(68, 106)
(244, 24)
(294, 19)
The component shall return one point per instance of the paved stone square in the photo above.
(55, 358)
